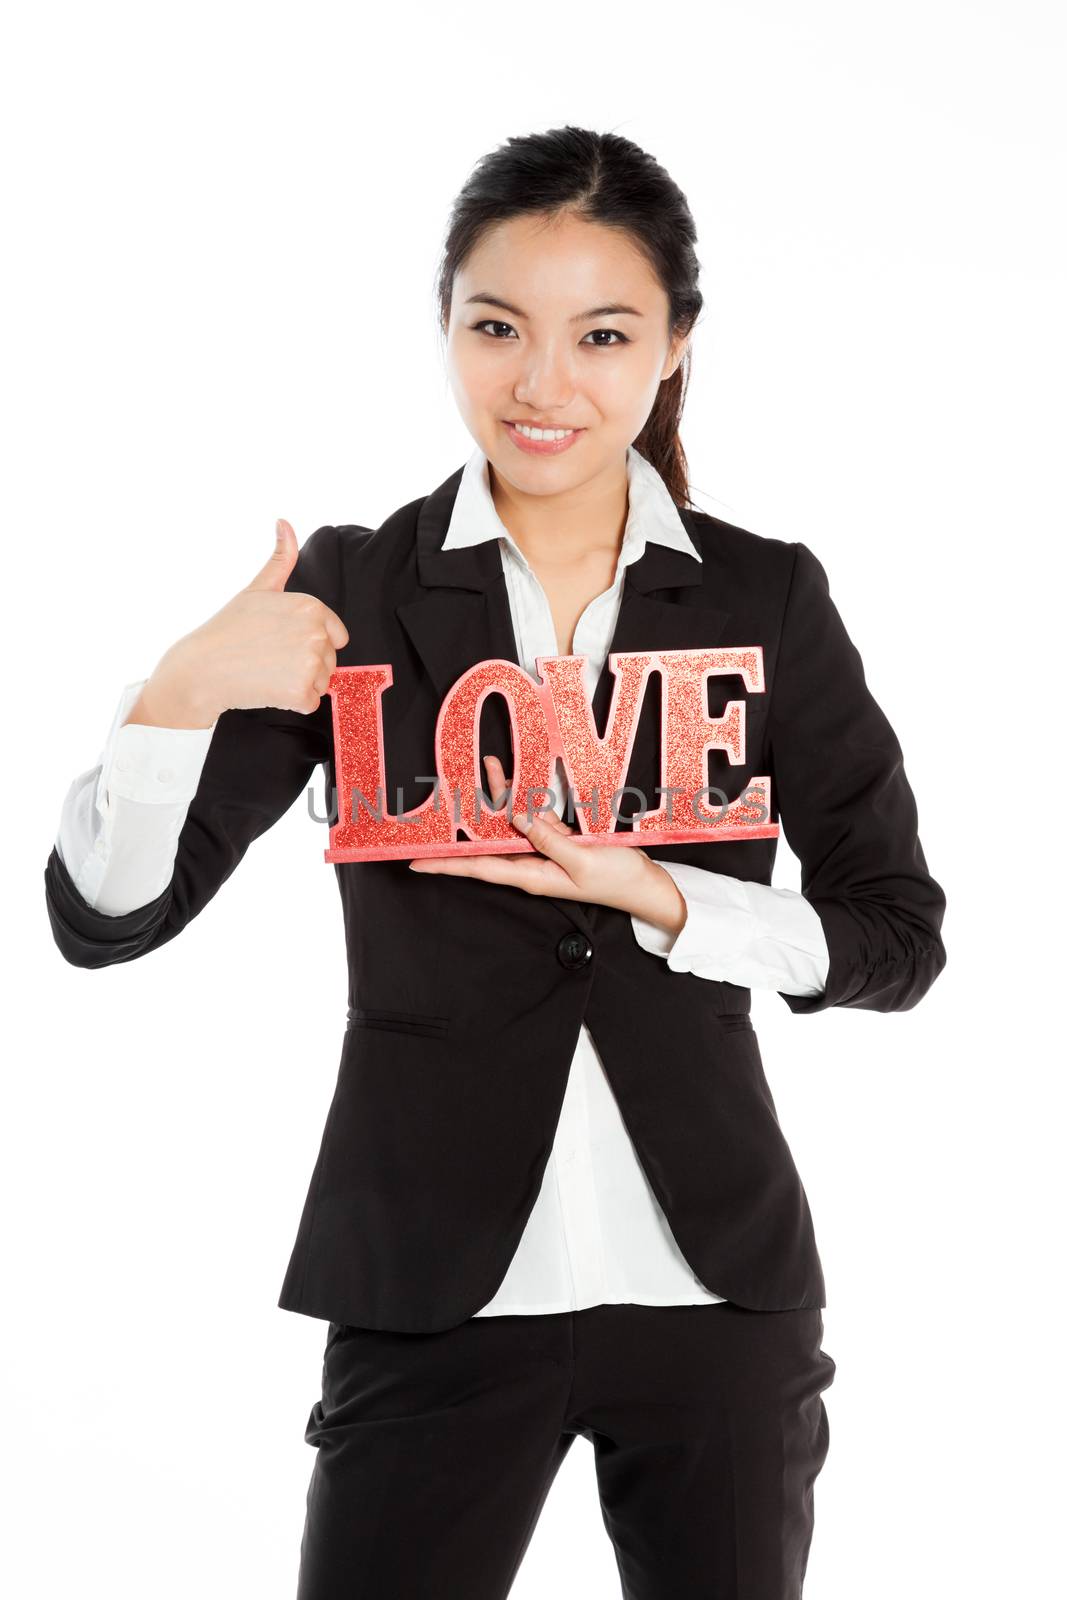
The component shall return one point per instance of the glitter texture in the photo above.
(596, 768)
(689, 733)
(549, 718)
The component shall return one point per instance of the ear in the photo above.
(674, 356)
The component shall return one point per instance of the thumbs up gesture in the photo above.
(274, 574)
(265, 647)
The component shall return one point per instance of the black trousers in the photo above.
(436, 1451)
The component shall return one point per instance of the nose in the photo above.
(546, 385)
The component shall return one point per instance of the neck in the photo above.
(562, 528)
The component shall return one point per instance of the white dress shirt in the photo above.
(596, 1234)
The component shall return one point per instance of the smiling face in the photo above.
(557, 324)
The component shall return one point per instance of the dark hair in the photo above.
(600, 177)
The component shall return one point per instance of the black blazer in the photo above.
(466, 998)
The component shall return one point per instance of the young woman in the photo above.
(552, 1196)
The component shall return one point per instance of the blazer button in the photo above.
(574, 951)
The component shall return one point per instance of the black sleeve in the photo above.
(257, 763)
(848, 812)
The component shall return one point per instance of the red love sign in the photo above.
(549, 719)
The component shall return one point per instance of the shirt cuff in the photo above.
(718, 916)
(157, 766)
(657, 941)
(749, 934)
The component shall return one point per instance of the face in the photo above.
(557, 324)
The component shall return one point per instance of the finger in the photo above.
(498, 790)
(554, 842)
(498, 787)
(336, 631)
(556, 822)
(550, 817)
(276, 569)
(497, 782)
(492, 868)
(532, 873)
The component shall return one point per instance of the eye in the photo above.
(615, 334)
(490, 322)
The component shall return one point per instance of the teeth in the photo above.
(541, 433)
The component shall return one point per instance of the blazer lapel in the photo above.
(463, 616)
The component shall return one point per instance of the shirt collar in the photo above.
(652, 514)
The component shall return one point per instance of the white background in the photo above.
(222, 227)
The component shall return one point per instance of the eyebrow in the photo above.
(583, 316)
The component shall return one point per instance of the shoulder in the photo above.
(737, 559)
(393, 538)
(336, 543)
(352, 565)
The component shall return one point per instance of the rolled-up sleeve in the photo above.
(120, 822)
(750, 934)
(848, 812)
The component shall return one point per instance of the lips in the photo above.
(550, 427)
(542, 447)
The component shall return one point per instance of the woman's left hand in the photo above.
(623, 876)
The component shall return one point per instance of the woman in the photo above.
(552, 1196)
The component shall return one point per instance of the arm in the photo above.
(257, 762)
(745, 933)
(837, 775)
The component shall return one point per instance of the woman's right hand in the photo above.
(263, 648)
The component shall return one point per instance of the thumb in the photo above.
(275, 571)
